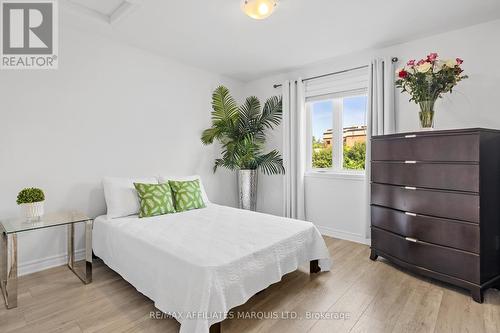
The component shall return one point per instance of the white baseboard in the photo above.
(37, 265)
(346, 235)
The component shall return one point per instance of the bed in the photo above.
(197, 265)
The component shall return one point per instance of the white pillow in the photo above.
(121, 195)
(165, 179)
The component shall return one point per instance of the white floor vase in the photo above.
(247, 189)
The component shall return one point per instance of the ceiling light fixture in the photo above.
(259, 9)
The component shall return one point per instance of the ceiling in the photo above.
(217, 36)
(106, 7)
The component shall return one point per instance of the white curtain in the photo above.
(294, 149)
(381, 111)
(381, 115)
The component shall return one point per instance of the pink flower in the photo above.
(421, 62)
(432, 57)
(411, 62)
(459, 61)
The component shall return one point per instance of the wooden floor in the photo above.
(376, 297)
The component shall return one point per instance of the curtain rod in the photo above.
(334, 73)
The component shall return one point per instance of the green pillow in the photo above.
(187, 195)
(156, 199)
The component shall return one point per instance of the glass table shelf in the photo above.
(9, 228)
(16, 225)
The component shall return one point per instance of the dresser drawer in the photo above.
(456, 263)
(452, 205)
(459, 177)
(453, 148)
(459, 235)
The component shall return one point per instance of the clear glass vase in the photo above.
(426, 114)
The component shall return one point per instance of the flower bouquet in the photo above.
(427, 80)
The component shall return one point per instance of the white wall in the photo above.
(109, 109)
(337, 205)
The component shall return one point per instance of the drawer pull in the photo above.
(410, 188)
(410, 136)
(413, 240)
(410, 214)
(410, 162)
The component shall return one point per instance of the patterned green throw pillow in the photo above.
(187, 195)
(156, 199)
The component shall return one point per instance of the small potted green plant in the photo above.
(31, 201)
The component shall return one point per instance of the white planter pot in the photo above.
(32, 210)
(247, 189)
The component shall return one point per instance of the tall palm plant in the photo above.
(241, 131)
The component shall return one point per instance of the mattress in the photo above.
(197, 265)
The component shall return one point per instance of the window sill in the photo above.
(358, 176)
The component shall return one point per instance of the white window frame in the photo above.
(337, 170)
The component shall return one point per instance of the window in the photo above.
(354, 132)
(337, 132)
(322, 120)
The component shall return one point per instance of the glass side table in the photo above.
(11, 227)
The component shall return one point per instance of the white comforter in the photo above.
(199, 264)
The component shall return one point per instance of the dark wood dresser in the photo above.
(435, 205)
